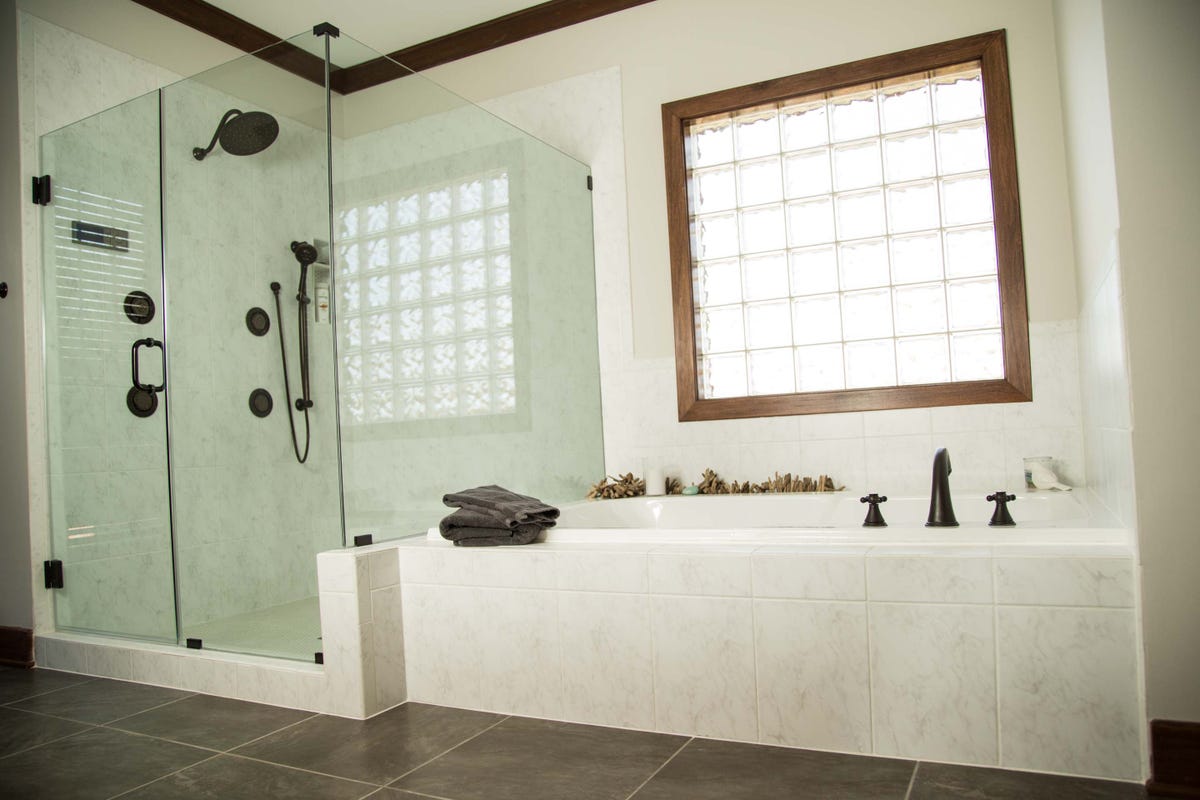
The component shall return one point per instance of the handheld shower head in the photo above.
(305, 253)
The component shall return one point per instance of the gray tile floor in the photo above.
(69, 736)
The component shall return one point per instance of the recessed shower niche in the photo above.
(451, 337)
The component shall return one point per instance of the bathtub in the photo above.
(1060, 519)
(779, 619)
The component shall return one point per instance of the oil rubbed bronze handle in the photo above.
(138, 345)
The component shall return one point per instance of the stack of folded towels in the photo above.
(492, 515)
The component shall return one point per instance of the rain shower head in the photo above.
(241, 134)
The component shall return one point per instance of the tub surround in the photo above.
(1021, 656)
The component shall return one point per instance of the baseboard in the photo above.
(16, 647)
(1174, 759)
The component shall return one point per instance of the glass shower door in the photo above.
(249, 517)
(102, 275)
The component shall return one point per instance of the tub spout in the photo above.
(941, 510)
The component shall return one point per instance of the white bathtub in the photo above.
(1043, 518)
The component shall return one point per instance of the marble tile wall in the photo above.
(889, 452)
(1003, 656)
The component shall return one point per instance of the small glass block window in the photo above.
(425, 298)
(845, 239)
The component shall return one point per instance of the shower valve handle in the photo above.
(137, 382)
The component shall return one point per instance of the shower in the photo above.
(305, 254)
(241, 133)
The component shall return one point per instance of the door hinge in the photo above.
(589, 183)
(54, 574)
(319, 657)
(364, 539)
(42, 193)
(194, 644)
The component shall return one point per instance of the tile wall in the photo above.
(1007, 656)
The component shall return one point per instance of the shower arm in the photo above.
(198, 152)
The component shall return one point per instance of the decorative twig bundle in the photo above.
(622, 486)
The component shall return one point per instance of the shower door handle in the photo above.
(138, 345)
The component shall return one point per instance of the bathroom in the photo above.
(606, 86)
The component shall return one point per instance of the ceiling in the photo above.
(384, 25)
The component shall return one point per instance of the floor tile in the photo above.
(100, 700)
(708, 770)
(216, 722)
(232, 778)
(21, 730)
(532, 759)
(97, 763)
(18, 684)
(951, 782)
(377, 750)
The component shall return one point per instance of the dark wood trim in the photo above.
(1017, 386)
(16, 647)
(510, 28)
(1174, 759)
(236, 32)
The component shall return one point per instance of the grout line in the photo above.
(912, 781)
(455, 747)
(43, 694)
(212, 750)
(302, 769)
(163, 777)
(416, 793)
(996, 654)
(151, 708)
(272, 733)
(661, 767)
(870, 666)
(51, 741)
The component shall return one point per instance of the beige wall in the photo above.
(1153, 61)
(670, 49)
(16, 599)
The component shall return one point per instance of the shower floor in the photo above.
(291, 630)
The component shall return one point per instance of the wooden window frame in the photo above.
(990, 51)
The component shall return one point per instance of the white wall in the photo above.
(16, 598)
(1103, 363)
(1153, 62)
(671, 49)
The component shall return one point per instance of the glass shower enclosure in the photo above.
(214, 421)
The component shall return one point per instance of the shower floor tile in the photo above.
(19, 684)
(100, 700)
(216, 722)
(98, 763)
(377, 750)
(290, 630)
(952, 782)
(21, 730)
(232, 778)
(78, 738)
(711, 770)
(533, 759)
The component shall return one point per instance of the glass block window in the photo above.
(425, 303)
(844, 239)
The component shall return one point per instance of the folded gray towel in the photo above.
(500, 508)
(472, 529)
(491, 537)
